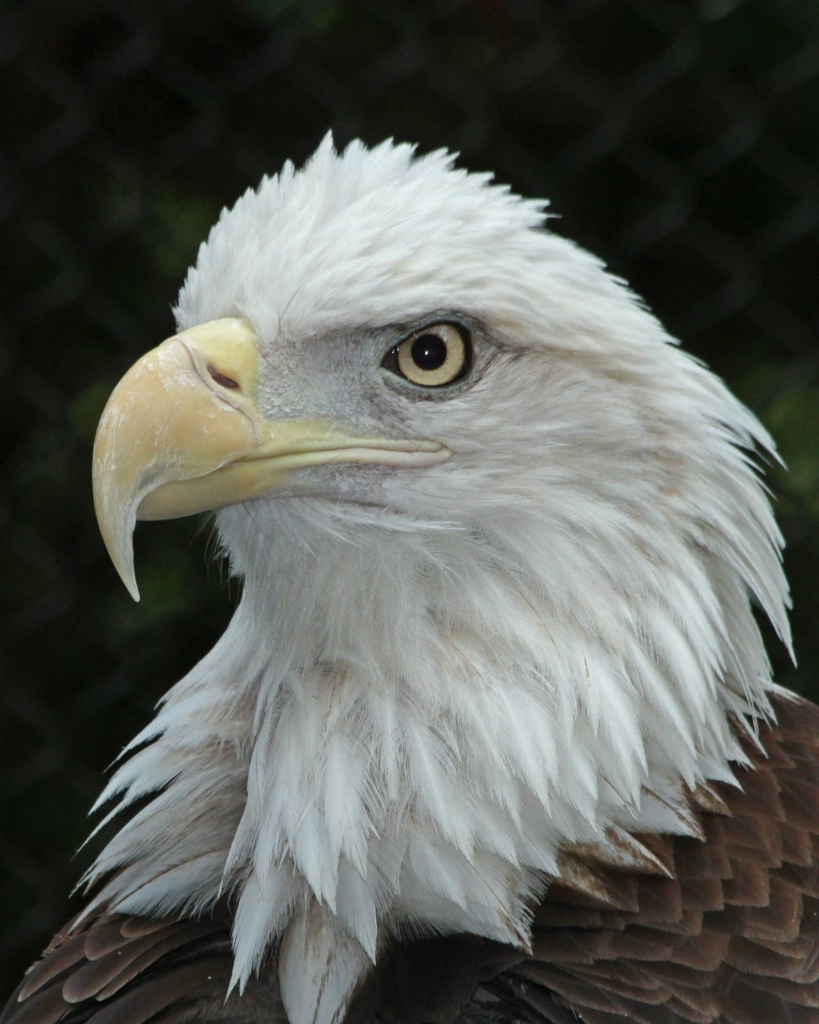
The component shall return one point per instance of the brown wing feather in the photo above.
(733, 937)
(723, 930)
(129, 970)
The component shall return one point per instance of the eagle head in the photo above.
(499, 540)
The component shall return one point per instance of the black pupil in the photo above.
(429, 352)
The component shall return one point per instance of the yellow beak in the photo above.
(181, 434)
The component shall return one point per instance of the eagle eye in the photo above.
(433, 357)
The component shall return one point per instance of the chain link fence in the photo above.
(678, 139)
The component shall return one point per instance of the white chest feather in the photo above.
(357, 759)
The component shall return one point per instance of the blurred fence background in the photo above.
(678, 139)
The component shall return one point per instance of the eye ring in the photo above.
(433, 357)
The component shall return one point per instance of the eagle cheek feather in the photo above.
(492, 729)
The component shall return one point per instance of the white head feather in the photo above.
(436, 678)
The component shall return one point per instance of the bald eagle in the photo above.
(492, 735)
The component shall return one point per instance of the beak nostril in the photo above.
(221, 378)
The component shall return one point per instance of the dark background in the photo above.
(678, 139)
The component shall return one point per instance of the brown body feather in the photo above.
(724, 929)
